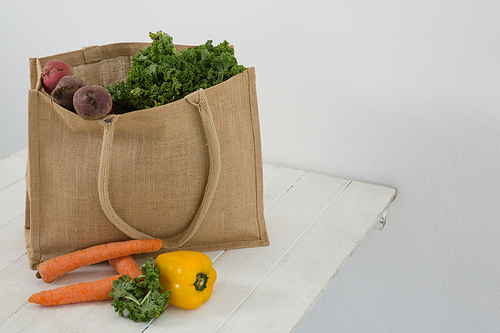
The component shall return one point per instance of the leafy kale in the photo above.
(160, 75)
(141, 297)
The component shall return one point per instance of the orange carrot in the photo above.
(54, 268)
(126, 266)
(97, 290)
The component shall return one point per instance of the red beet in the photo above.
(52, 72)
(65, 89)
(92, 102)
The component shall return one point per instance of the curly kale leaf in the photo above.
(160, 75)
(142, 297)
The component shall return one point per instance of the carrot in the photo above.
(97, 290)
(54, 268)
(126, 266)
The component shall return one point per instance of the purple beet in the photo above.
(65, 89)
(92, 102)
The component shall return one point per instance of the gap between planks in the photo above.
(283, 255)
(296, 178)
(282, 193)
(222, 252)
(358, 206)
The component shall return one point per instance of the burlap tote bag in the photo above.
(189, 172)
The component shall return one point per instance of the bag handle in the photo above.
(199, 100)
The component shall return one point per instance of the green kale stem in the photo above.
(132, 298)
(146, 297)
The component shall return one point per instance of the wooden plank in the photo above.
(18, 282)
(12, 202)
(104, 319)
(28, 317)
(299, 210)
(277, 181)
(12, 243)
(13, 168)
(241, 270)
(19, 315)
(294, 284)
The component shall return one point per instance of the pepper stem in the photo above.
(201, 281)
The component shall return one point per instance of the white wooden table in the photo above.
(314, 222)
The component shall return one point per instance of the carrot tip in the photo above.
(38, 276)
(33, 299)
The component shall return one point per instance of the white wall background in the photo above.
(401, 93)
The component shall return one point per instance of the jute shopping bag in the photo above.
(188, 172)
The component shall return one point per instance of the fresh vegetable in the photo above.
(160, 75)
(54, 268)
(142, 297)
(92, 102)
(126, 266)
(97, 290)
(53, 71)
(65, 89)
(188, 275)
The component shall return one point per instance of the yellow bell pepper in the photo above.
(188, 275)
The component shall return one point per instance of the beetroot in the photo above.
(52, 72)
(92, 102)
(65, 89)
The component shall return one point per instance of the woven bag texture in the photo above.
(155, 169)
